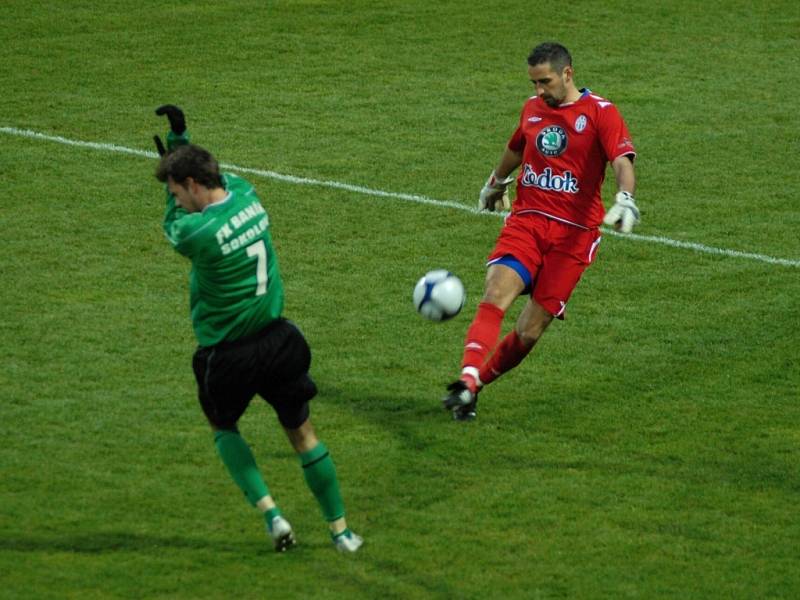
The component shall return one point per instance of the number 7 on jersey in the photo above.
(259, 250)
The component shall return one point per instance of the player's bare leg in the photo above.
(503, 285)
(320, 475)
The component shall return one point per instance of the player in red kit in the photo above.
(563, 142)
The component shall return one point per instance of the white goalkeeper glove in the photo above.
(494, 195)
(624, 214)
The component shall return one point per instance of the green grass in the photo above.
(649, 447)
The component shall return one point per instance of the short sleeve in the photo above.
(613, 133)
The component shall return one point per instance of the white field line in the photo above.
(654, 239)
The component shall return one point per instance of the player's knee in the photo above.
(500, 296)
(292, 415)
(502, 286)
(530, 330)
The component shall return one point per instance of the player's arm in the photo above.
(624, 214)
(494, 195)
(616, 142)
(181, 228)
(509, 161)
(180, 225)
(624, 173)
(174, 216)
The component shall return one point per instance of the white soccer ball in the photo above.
(439, 295)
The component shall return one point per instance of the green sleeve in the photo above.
(182, 228)
(174, 140)
(174, 215)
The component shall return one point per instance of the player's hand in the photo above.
(494, 195)
(177, 122)
(624, 214)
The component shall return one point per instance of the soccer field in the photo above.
(648, 448)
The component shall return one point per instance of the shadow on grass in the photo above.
(120, 541)
(400, 415)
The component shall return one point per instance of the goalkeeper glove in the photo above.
(159, 146)
(494, 195)
(624, 214)
(177, 122)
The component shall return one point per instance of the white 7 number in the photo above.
(260, 250)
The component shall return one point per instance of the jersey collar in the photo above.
(218, 202)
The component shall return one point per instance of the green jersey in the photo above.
(235, 285)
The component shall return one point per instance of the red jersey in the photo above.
(564, 155)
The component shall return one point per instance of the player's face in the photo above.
(550, 85)
(183, 195)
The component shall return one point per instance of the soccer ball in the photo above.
(439, 295)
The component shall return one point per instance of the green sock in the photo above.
(236, 455)
(320, 474)
(271, 514)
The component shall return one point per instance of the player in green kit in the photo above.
(245, 346)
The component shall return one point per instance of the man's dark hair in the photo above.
(190, 161)
(556, 54)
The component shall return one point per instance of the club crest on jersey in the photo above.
(580, 123)
(547, 180)
(552, 141)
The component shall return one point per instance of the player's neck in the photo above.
(573, 95)
(211, 196)
(217, 195)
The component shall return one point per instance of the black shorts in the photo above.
(273, 363)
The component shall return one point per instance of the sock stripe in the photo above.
(316, 460)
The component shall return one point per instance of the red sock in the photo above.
(506, 356)
(482, 335)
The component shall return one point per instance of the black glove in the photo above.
(159, 145)
(177, 122)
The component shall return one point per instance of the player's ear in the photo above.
(567, 73)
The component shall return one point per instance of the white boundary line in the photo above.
(400, 196)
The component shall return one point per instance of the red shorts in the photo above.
(554, 253)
